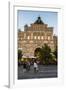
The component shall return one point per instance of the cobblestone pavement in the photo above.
(45, 71)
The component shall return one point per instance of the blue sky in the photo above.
(28, 17)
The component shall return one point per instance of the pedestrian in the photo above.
(28, 66)
(24, 67)
(35, 66)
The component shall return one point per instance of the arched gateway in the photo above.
(35, 36)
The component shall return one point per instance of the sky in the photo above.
(27, 17)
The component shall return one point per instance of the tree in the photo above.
(46, 53)
(19, 56)
(55, 53)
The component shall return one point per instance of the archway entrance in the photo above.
(37, 51)
(37, 54)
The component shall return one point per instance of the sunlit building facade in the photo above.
(35, 36)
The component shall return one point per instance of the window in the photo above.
(48, 37)
(28, 37)
(39, 37)
(42, 37)
(34, 37)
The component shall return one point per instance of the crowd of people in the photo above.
(27, 66)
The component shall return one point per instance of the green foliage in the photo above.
(55, 53)
(44, 54)
(19, 54)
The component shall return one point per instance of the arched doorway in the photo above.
(37, 54)
(37, 51)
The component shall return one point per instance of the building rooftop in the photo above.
(38, 21)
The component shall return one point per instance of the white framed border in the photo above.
(13, 81)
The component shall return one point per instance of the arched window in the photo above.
(28, 37)
(42, 37)
(37, 51)
(48, 37)
(39, 37)
(35, 37)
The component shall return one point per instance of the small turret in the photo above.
(25, 27)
